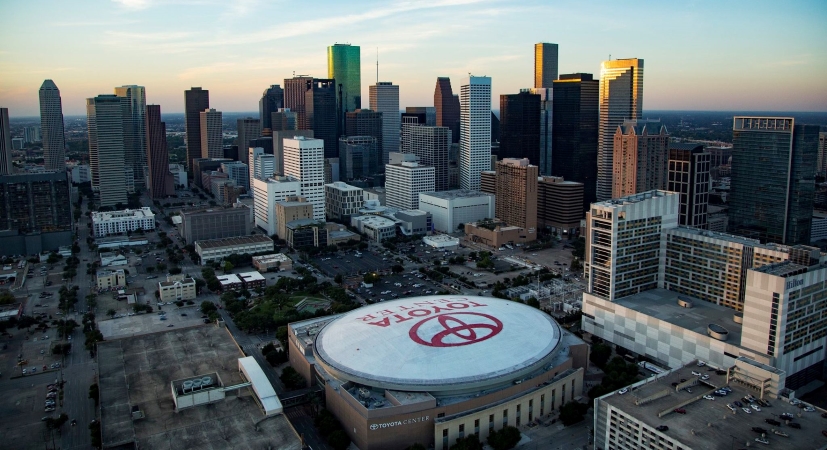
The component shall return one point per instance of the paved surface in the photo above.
(347, 263)
(554, 436)
(151, 323)
(303, 423)
(250, 348)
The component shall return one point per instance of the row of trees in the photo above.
(504, 439)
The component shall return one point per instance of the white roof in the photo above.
(261, 385)
(228, 278)
(250, 276)
(438, 343)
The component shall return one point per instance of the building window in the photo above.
(442, 414)
(477, 427)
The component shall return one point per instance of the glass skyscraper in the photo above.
(134, 132)
(344, 65)
(773, 179)
(545, 64)
(51, 127)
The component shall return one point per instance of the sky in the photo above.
(699, 55)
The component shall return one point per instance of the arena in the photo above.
(429, 370)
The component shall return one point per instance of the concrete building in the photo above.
(640, 157)
(107, 279)
(441, 242)
(358, 157)
(496, 233)
(161, 181)
(81, 173)
(475, 130)
(818, 230)
(217, 249)
(375, 193)
(284, 119)
(252, 280)
(560, 205)
(278, 146)
(289, 210)
(303, 233)
(303, 161)
(342, 201)
(272, 262)
(117, 222)
(262, 165)
(688, 173)
(5, 143)
(52, 127)
(248, 129)
(214, 223)
(176, 288)
(201, 165)
(105, 122)
(339, 234)
(414, 221)
(516, 199)
(432, 146)
(821, 159)
(265, 194)
(134, 130)
(212, 139)
(488, 181)
(238, 172)
(376, 228)
(196, 100)
(365, 122)
(405, 179)
(384, 99)
(447, 107)
(449, 209)
(35, 212)
(179, 175)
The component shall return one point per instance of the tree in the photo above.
(533, 302)
(291, 378)
(6, 297)
(572, 413)
(470, 442)
(371, 277)
(397, 268)
(338, 278)
(600, 355)
(174, 270)
(93, 393)
(228, 267)
(504, 439)
(338, 440)
(111, 312)
(150, 269)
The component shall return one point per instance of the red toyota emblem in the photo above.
(455, 329)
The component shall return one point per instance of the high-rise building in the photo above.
(277, 146)
(35, 212)
(431, 145)
(262, 165)
(320, 111)
(238, 172)
(283, 120)
(215, 223)
(202, 165)
(5, 143)
(447, 107)
(559, 205)
(51, 126)
(546, 127)
(772, 182)
(428, 111)
(161, 183)
(822, 153)
(574, 132)
(357, 157)
(294, 98)
(405, 179)
(475, 130)
(104, 121)
(271, 101)
(545, 64)
(520, 126)
(248, 129)
(342, 201)
(621, 98)
(640, 158)
(304, 161)
(196, 100)
(689, 175)
(134, 130)
(384, 99)
(32, 134)
(364, 122)
(212, 137)
(516, 198)
(265, 195)
(344, 65)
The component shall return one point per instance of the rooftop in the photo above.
(376, 221)
(709, 424)
(250, 276)
(141, 213)
(217, 210)
(456, 193)
(271, 258)
(299, 223)
(718, 235)
(635, 198)
(782, 269)
(342, 186)
(173, 283)
(441, 238)
(229, 242)
(229, 278)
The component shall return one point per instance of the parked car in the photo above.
(680, 411)
(662, 428)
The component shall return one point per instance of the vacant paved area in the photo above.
(151, 323)
(349, 264)
(137, 372)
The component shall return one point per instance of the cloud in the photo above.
(133, 4)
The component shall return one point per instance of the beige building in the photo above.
(175, 288)
(290, 209)
(516, 198)
(496, 234)
(488, 181)
(111, 278)
(560, 205)
(212, 140)
(274, 262)
(641, 156)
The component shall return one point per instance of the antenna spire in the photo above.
(377, 65)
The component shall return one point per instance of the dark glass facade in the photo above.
(364, 122)
(447, 107)
(520, 127)
(689, 175)
(320, 109)
(157, 153)
(271, 100)
(574, 132)
(195, 101)
(344, 66)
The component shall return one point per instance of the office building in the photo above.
(176, 288)
(688, 173)
(51, 126)
(559, 205)
(107, 279)
(447, 107)
(414, 221)
(161, 183)
(520, 126)
(265, 195)
(294, 97)
(214, 223)
(364, 122)
(304, 160)
(428, 112)
(432, 146)
(290, 209)
(342, 201)
(545, 64)
(248, 129)
(773, 172)
(304, 233)
(822, 153)
(450, 209)
(196, 100)
(134, 130)
(81, 173)
(283, 120)
(32, 134)
(179, 175)
(344, 66)
(277, 145)
(640, 157)
(217, 249)
(273, 262)
(202, 165)
(35, 212)
(358, 156)
(546, 127)
(488, 181)
(405, 179)
(475, 130)
(104, 120)
(331, 170)
(212, 138)
(321, 115)
(118, 222)
(516, 197)
(262, 166)
(238, 172)
(272, 100)
(375, 228)
(384, 99)
(6, 167)
(621, 99)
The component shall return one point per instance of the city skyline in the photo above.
(698, 63)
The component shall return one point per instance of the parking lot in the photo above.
(139, 324)
(399, 286)
(351, 264)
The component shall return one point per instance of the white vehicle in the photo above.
(809, 409)
(709, 397)
(731, 407)
(697, 374)
(701, 363)
(623, 391)
(705, 377)
(746, 410)
(755, 407)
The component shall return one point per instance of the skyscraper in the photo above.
(104, 120)
(405, 179)
(431, 145)
(447, 107)
(545, 64)
(283, 120)
(248, 129)
(277, 146)
(822, 153)
(196, 100)
(157, 154)
(364, 122)
(574, 132)
(357, 157)
(134, 130)
(5, 143)
(520, 126)
(516, 198)
(475, 131)
(344, 65)
(384, 98)
(320, 111)
(51, 127)
(773, 179)
(271, 100)
(689, 175)
(640, 158)
(294, 98)
(212, 140)
(304, 161)
(546, 127)
(621, 98)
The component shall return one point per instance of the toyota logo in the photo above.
(455, 329)
(374, 427)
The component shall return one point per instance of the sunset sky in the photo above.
(699, 55)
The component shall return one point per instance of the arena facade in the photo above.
(432, 369)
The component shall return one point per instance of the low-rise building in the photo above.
(303, 233)
(376, 228)
(289, 210)
(179, 174)
(342, 201)
(252, 280)
(496, 234)
(116, 222)
(451, 208)
(175, 288)
(414, 221)
(218, 249)
(559, 205)
(229, 282)
(111, 278)
(120, 241)
(273, 261)
(441, 242)
(112, 259)
(215, 223)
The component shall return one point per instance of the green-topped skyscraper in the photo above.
(344, 65)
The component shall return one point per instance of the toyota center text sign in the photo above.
(398, 423)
